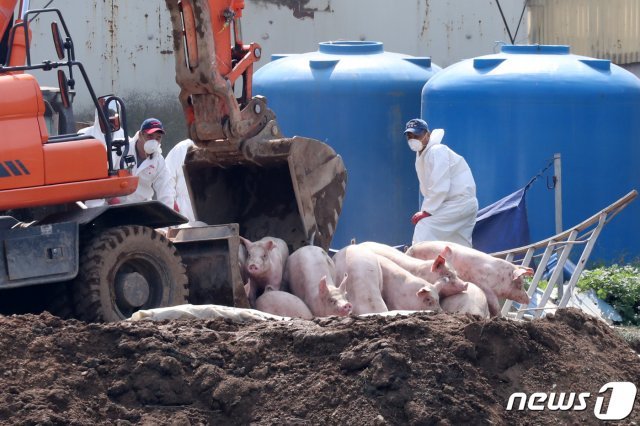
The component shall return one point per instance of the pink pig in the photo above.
(504, 278)
(364, 283)
(472, 301)
(264, 265)
(309, 275)
(437, 271)
(402, 290)
(283, 303)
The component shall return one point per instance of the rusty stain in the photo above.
(298, 7)
(426, 18)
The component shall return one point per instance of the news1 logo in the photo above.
(623, 396)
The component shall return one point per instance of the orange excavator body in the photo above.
(37, 169)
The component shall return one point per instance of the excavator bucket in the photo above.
(290, 188)
(242, 169)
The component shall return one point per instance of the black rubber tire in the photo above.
(125, 250)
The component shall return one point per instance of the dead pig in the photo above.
(309, 274)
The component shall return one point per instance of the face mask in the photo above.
(151, 146)
(415, 144)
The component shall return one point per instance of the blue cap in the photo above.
(416, 126)
(151, 125)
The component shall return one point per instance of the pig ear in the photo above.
(270, 245)
(446, 252)
(437, 263)
(323, 285)
(424, 293)
(343, 285)
(522, 271)
(245, 242)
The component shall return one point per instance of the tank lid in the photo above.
(544, 49)
(351, 47)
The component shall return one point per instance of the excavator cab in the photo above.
(49, 163)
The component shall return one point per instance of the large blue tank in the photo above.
(508, 113)
(357, 98)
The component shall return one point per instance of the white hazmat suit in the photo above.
(153, 176)
(175, 163)
(449, 192)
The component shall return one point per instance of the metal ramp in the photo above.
(559, 247)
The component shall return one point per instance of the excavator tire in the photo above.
(125, 269)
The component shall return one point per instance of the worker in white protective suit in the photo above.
(450, 206)
(150, 167)
(175, 162)
(97, 133)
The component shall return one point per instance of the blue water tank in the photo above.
(357, 98)
(509, 113)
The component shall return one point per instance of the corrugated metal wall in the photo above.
(126, 45)
(608, 29)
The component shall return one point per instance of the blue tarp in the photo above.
(502, 225)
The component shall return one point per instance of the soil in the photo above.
(406, 370)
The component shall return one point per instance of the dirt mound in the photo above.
(417, 369)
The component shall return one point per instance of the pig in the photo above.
(482, 269)
(402, 290)
(364, 283)
(434, 271)
(472, 301)
(264, 265)
(309, 274)
(282, 303)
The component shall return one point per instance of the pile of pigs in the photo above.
(369, 278)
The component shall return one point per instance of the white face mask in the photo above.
(415, 144)
(151, 146)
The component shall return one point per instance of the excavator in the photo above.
(244, 177)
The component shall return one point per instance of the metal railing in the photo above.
(538, 255)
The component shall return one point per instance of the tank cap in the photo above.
(598, 64)
(351, 47)
(424, 62)
(484, 63)
(544, 49)
(320, 64)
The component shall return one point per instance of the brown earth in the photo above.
(418, 369)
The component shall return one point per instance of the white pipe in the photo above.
(557, 174)
(25, 8)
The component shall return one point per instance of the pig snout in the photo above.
(345, 310)
(521, 297)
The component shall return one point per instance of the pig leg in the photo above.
(492, 302)
(252, 293)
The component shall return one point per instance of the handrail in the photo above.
(613, 209)
(560, 245)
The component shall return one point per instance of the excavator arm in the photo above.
(243, 170)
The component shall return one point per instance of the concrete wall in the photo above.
(126, 46)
